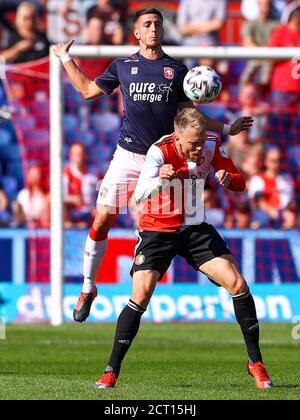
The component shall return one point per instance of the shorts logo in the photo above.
(134, 70)
(139, 259)
(169, 73)
(103, 192)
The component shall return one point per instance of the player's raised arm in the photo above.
(241, 124)
(88, 88)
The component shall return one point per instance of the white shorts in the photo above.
(121, 178)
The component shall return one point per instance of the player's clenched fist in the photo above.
(223, 177)
(167, 172)
(62, 49)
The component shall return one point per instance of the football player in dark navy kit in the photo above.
(152, 91)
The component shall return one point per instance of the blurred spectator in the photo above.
(250, 103)
(32, 207)
(27, 43)
(286, 78)
(213, 212)
(237, 147)
(113, 31)
(250, 8)
(5, 215)
(80, 188)
(200, 21)
(242, 216)
(8, 6)
(93, 67)
(256, 33)
(288, 10)
(290, 216)
(272, 190)
(253, 161)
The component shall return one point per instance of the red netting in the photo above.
(28, 93)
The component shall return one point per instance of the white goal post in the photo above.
(56, 134)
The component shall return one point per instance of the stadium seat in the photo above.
(88, 138)
(105, 123)
(15, 169)
(27, 122)
(5, 137)
(10, 152)
(38, 135)
(70, 123)
(293, 155)
(10, 186)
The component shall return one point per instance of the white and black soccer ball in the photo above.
(202, 84)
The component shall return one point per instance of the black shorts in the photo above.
(197, 244)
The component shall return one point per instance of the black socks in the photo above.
(245, 312)
(127, 327)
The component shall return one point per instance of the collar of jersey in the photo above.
(147, 59)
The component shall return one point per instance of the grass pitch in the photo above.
(166, 362)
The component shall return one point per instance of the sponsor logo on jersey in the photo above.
(134, 70)
(150, 92)
(139, 259)
(169, 73)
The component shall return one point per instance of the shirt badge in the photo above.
(134, 70)
(169, 73)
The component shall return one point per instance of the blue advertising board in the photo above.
(170, 302)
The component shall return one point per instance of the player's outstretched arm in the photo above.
(88, 88)
(241, 124)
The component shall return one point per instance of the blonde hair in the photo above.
(25, 5)
(189, 118)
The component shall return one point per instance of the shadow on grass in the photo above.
(288, 386)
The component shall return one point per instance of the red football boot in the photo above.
(108, 380)
(259, 372)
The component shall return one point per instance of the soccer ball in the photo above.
(202, 84)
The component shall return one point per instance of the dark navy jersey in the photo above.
(151, 91)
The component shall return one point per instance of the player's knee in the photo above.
(101, 226)
(237, 285)
(142, 298)
(103, 221)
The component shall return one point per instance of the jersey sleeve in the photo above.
(109, 80)
(222, 161)
(149, 182)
